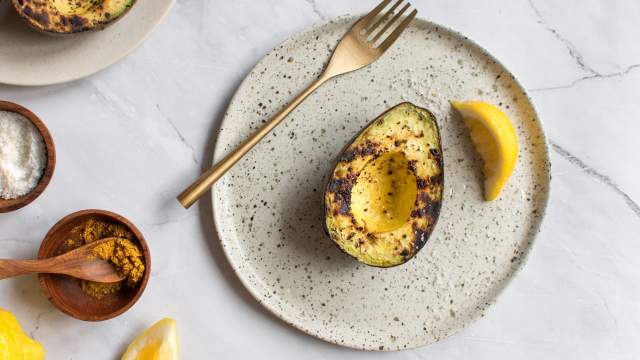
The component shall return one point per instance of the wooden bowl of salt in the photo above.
(29, 156)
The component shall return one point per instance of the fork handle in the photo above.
(191, 194)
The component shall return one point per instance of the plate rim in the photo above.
(116, 59)
(522, 260)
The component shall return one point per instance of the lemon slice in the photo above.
(14, 343)
(495, 140)
(159, 342)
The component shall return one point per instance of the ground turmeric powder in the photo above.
(99, 290)
(123, 253)
(94, 229)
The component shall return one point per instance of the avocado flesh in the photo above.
(71, 16)
(384, 195)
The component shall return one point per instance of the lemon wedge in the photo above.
(159, 342)
(495, 140)
(14, 343)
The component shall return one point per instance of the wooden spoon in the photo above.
(79, 263)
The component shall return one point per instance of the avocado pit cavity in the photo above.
(384, 194)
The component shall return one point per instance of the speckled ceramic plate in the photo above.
(268, 208)
(28, 57)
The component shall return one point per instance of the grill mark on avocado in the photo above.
(419, 212)
(399, 142)
(41, 17)
(437, 179)
(341, 187)
(413, 165)
(424, 183)
(422, 235)
(430, 209)
(28, 11)
(424, 197)
(372, 238)
(77, 23)
(369, 148)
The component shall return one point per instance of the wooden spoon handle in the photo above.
(11, 268)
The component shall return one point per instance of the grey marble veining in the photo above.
(155, 116)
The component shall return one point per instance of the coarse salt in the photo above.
(23, 155)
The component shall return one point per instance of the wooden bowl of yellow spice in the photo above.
(86, 300)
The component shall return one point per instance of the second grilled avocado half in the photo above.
(383, 197)
(71, 16)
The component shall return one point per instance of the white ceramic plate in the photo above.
(268, 208)
(28, 57)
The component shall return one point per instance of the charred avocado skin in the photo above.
(71, 16)
(383, 198)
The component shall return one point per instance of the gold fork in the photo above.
(361, 46)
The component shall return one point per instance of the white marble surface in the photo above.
(154, 117)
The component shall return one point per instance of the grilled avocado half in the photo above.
(383, 197)
(71, 16)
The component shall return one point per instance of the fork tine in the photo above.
(397, 32)
(391, 22)
(383, 18)
(367, 19)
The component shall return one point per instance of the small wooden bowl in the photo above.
(65, 292)
(15, 204)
